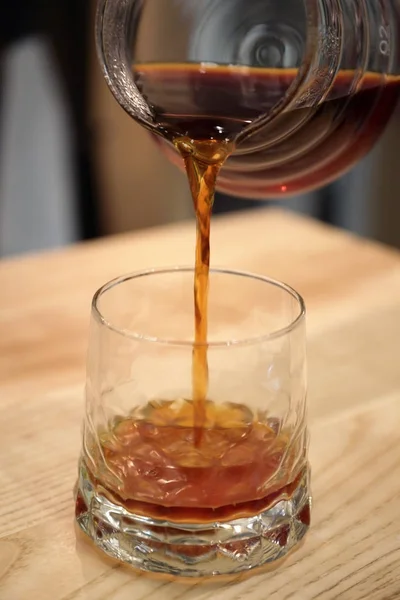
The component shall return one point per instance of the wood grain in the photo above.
(352, 289)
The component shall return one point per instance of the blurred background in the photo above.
(74, 166)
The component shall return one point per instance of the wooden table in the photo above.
(352, 289)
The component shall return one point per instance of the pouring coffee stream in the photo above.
(203, 161)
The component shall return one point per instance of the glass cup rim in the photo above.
(252, 340)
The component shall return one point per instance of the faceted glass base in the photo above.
(193, 549)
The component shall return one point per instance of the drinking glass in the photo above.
(151, 491)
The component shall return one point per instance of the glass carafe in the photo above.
(301, 89)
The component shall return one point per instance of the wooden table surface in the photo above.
(352, 289)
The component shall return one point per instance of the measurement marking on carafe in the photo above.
(384, 44)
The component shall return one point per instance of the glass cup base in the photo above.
(194, 549)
